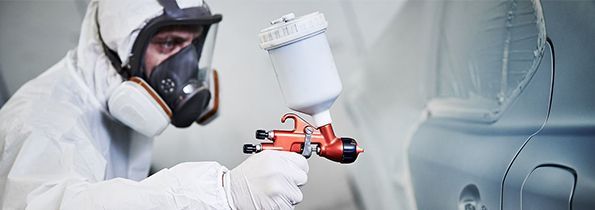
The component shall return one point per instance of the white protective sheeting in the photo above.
(487, 52)
(464, 60)
(386, 102)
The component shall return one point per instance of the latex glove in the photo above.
(267, 180)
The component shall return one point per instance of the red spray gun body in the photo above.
(305, 138)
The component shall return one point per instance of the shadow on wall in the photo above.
(3, 90)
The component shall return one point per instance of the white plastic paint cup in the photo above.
(304, 64)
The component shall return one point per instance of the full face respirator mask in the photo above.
(181, 89)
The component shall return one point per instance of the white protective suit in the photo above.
(60, 148)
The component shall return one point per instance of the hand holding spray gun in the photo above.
(308, 78)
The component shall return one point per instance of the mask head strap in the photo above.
(171, 8)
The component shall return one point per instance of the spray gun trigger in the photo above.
(307, 150)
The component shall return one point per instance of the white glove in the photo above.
(267, 180)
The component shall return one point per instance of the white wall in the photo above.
(34, 35)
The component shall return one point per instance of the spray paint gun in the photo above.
(307, 75)
(305, 139)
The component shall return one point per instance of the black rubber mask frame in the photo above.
(177, 82)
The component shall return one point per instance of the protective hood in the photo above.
(119, 23)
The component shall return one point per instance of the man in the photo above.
(79, 135)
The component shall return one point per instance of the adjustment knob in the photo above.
(261, 134)
(249, 148)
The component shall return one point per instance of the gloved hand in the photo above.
(267, 180)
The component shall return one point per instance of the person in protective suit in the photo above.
(79, 136)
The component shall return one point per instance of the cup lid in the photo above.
(288, 29)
